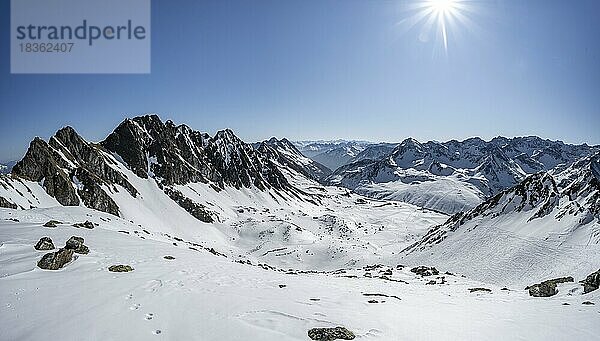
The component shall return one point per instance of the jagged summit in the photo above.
(75, 171)
(286, 154)
(179, 155)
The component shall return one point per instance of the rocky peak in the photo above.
(71, 169)
(174, 154)
(286, 154)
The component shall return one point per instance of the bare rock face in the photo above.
(547, 288)
(39, 164)
(179, 155)
(67, 160)
(55, 260)
(591, 282)
(330, 334)
(45, 243)
(7, 204)
(76, 244)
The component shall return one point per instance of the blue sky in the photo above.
(333, 69)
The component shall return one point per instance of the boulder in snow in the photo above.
(120, 268)
(330, 334)
(76, 244)
(55, 260)
(87, 224)
(45, 243)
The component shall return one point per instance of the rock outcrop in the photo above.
(425, 271)
(55, 260)
(547, 288)
(591, 282)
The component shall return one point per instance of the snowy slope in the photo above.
(534, 231)
(201, 296)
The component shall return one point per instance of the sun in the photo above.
(442, 6)
(437, 18)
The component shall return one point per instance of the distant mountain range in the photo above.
(445, 176)
(6, 167)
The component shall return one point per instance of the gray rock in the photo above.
(55, 260)
(547, 288)
(479, 289)
(425, 271)
(76, 244)
(120, 268)
(591, 282)
(87, 224)
(45, 243)
(52, 223)
(330, 334)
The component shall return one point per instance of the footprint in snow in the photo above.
(130, 296)
(134, 306)
(149, 316)
(156, 332)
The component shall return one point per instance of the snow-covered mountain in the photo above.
(249, 245)
(286, 154)
(548, 225)
(332, 154)
(218, 190)
(6, 167)
(467, 171)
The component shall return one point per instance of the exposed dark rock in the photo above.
(480, 289)
(547, 288)
(52, 223)
(45, 243)
(178, 155)
(7, 204)
(382, 295)
(76, 244)
(425, 271)
(372, 301)
(169, 257)
(588, 303)
(69, 160)
(41, 163)
(55, 260)
(87, 224)
(286, 154)
(281, 286)
(330, 334)
(432, 282)
(120, 268)
(198, 211)
(591, 282)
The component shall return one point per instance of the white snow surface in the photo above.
(200, 296)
